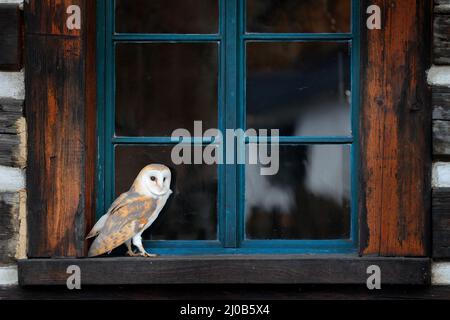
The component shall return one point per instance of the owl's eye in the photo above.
(164, 180)
(152, 178)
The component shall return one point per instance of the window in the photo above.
(247, 79)
(290, 65)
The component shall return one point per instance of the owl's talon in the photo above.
(132, 254)
(148, 255)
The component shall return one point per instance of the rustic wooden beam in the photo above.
(9, 226)
(235, 269)
(12, 151)
(57, 103)
(441, 39)
(441, 138)
(12, 133)
(441, 223)
(441, 103)
(11, 111)
(395, 131)
(11, 37)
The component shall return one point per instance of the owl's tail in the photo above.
(98, 227)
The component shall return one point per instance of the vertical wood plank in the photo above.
(57, 103)
(395, 130)
(49, 17)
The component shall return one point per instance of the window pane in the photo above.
(295, 16)
(190, 212)
(301, 88)
(167, 16)
(161, 87)
(309, 198)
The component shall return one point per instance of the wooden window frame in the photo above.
(395, 139)
(231, 39)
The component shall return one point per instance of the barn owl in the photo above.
(132, 213)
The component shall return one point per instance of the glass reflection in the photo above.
(298, 16)
(309, 198)
(301, 88)
(190, 212)
(161, 87)
(167, 16)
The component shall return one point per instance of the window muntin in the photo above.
(232, 43)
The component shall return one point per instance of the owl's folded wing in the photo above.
(124, 221)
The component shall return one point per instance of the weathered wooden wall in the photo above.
(441, 223)
(57, 108)
(395, 130)
(441, 129)
(12, 147)
(12, 159)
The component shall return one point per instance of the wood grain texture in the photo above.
(9, 226)
(11, 37)
(12, 153)
(12, 127)
(441, 103)
(59, 104)
(286, 269)
(441, 138)
(441, 39)
(162, 297)
(49, 17)
(441, 223)
(56, 146)
(11, 111)
(395, 131)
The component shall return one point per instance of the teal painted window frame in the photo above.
(231, 109)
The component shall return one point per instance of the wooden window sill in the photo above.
(227, 269)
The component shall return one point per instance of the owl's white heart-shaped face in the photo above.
(154, 180)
